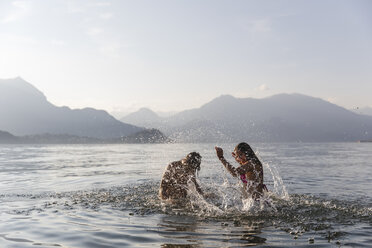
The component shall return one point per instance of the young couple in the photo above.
(180, 174)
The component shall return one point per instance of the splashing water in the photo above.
(230, 198)
(297, 216)
(279, 187)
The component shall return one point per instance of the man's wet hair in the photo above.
(246, 149)
(194, 159)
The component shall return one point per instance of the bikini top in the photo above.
(243, 177)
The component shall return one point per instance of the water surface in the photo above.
(106, 196)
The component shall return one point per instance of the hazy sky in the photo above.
(176, 55)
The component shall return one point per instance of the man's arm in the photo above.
(197, 186)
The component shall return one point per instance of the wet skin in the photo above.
(250, 167)
(177, 178)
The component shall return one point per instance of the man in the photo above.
(179, 177)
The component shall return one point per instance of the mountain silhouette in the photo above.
(24, 110)
(143, 117)
(279, 118)
(363, 111)
(6, 137)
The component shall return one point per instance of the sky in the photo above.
(180, 54)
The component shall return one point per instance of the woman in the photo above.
(250, 170)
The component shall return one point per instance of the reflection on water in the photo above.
(205, 234)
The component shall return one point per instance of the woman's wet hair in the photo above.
(194, 159)
(246, 149)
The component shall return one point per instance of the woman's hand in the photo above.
(219, 152)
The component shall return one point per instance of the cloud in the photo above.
(259, 91)
(20, 10)
(262, 87)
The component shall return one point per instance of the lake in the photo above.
(106, 196)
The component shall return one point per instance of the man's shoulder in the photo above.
(175, 164)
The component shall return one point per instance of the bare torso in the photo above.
(175, 181)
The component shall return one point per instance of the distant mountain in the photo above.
(143, 117)
(280, 118)
(148, 136)
(363, 111)
(6, 137)
(48, 138)
(152, 136)
(24, 110)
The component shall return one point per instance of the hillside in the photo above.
(147, 136)
(280, 118)
(143, 117)
(151, 136)
(24, 110)
(6, 137)
(363, 111)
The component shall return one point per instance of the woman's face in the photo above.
(240, 157)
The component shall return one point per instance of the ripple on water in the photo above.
(127, 215)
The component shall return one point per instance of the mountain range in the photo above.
(279, 118)
(24, 110)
